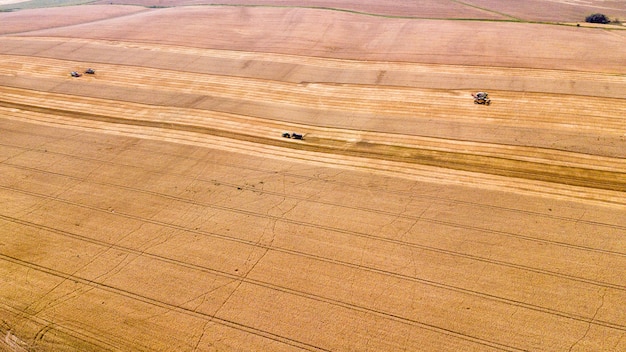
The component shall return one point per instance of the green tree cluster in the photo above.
(597, 18)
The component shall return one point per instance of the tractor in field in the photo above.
(75, 74)
(481, 98)
(293, 135)
(90, 71)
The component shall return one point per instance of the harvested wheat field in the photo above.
(156, 205)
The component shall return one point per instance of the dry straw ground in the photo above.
(154, 206)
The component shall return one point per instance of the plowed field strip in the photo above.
(494, 165)
(323, 299)
(159, 303)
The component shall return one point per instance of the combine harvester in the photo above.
(293, 135)
(89, 71)
(481, 98)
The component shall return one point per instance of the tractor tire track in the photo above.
(158, 303)
(244, 166)
(283, 289)
(253, 243)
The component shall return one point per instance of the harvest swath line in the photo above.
(382, 191)
(444, 223)
(309, 178)
(316, 297)
(334, 261)
(378, 211)
(378, 190)
(342, 93)
(46, 63)
(575, 176)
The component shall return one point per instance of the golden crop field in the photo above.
(156, 205)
